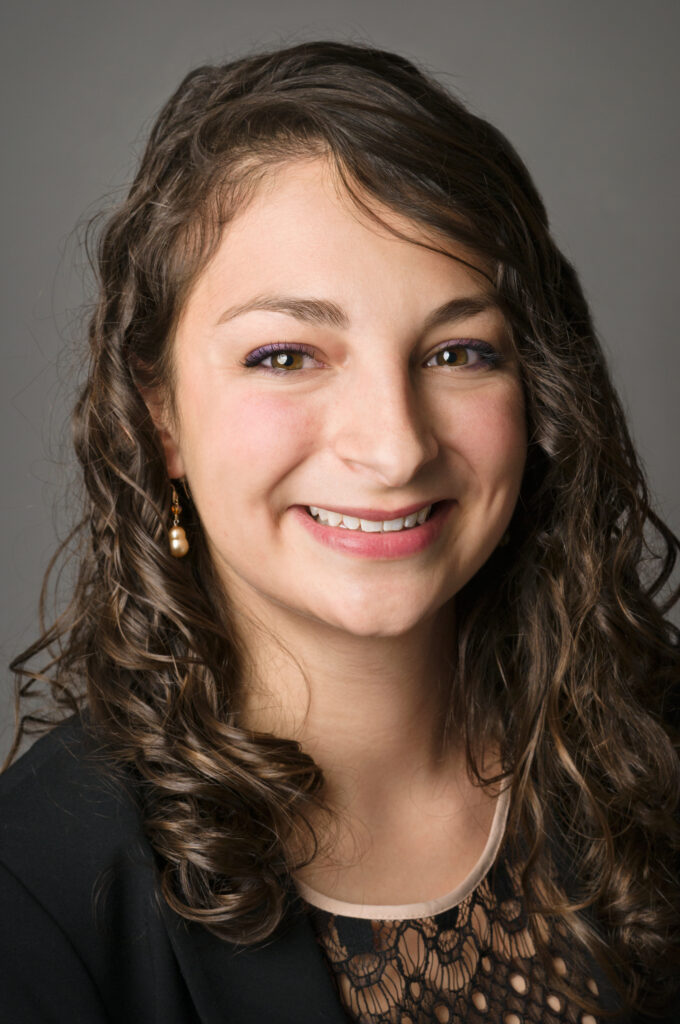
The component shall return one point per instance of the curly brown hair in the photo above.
(563, 657)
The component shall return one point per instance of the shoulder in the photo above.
(77, 886)
(64, 814)
(84, 933)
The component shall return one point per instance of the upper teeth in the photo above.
(329, 518)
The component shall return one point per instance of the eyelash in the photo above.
(488, 356)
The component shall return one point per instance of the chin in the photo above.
(376, 622)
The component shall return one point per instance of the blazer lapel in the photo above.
(285, 982)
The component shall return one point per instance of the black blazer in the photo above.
(84, 936)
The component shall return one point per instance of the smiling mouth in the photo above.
(347, 522)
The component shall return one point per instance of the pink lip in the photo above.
(378, 545)
(378, 514)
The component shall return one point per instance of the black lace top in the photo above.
(473, 962)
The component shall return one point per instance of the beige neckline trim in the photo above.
(410, 911)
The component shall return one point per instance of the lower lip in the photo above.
(394, 544)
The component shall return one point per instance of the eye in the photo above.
(472, 354)
(279, 357)
(285, 358)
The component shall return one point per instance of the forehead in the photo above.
(302, 233)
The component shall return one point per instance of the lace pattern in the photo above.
(472, 964)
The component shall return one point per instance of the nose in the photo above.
(381, 426)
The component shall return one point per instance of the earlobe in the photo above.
(173, 457)
(166, 430)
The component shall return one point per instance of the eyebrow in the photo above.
(320, 312)
(324, 313)
(460, 309)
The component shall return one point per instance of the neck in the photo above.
(369, 710)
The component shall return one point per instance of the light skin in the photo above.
(369, 417)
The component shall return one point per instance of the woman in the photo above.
(372, 689)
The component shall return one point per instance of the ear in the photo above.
(167, 430)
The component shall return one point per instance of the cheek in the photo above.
(259, 436)
(272, 429)
(489, 431)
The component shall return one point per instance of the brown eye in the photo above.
(469, 355)
(287, 360)
(279, 358)
(454, 356)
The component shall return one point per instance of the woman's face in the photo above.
(390, 387)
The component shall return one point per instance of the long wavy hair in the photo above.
(563, 656)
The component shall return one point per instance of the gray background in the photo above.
(586, 90)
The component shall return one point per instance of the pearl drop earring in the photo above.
(179, 545)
